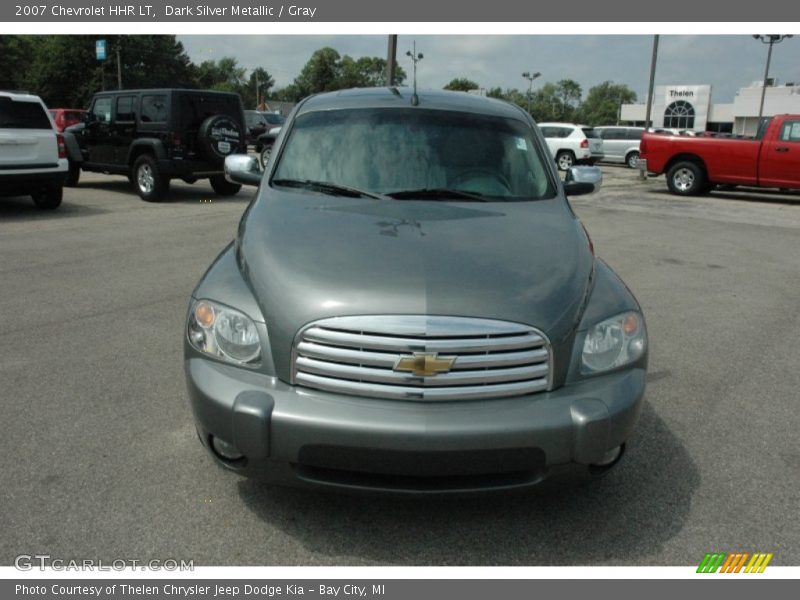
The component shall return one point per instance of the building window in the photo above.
(679, 115)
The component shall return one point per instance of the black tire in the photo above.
(565, 159)
(73, 175)
(223, 187)
(148, 180)
(48, 197)
(632, 160)
(264, 154)
(686, 179)
(220, 136)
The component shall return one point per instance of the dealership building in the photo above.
(691, 107)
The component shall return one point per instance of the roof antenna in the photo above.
(416, 58)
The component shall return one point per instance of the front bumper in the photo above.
(298, 436)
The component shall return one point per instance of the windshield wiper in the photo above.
(428, 193)
(334, 189)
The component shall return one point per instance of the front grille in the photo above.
(360, 356)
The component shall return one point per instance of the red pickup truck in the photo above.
(696, 164)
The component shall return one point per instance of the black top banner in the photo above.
(406, 11)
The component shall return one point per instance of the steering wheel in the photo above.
(479, 178)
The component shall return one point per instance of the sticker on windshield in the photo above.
(522, 144)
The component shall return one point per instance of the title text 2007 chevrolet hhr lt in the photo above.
(410, 304)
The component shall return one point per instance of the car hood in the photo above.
(310, 256)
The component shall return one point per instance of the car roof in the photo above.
(401, 97)
(556, 124)
(20, 96)
(165, 91)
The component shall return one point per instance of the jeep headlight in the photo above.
(224, 332)
(613, 343)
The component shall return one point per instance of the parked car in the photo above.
(256, 125)
(66, 117)
(621, 144)
(411, 305)
(266, 141)
(571, 144)
(696, 164)
(156, 135)
(33, 158)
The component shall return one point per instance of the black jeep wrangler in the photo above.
(153, 136)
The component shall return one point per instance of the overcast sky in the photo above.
(725, 62)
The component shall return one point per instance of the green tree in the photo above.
(17, 55)
(461, 84)
(320, 74)
(64, 70)
(224, 75)
(603, 102)
(326, 71)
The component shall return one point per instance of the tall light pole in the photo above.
(771, 40)
(391, 60)
(530, 77)
(416, 58)
(653, 60)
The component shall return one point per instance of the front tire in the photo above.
(686, 179)
(48, 197)
(565, 159)
(223, 187)
(73, 175)
(151, 185)
(632, 160)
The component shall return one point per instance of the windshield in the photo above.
(388, 151)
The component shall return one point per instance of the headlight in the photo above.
(224, 332)
(614, 342)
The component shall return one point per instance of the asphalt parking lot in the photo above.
(100, 458)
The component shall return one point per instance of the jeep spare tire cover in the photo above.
(218, 137)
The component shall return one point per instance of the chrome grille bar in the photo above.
(361, 356)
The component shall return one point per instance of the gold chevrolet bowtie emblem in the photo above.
(425, 364)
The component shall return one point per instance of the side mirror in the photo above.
(241, 168)
(582, 180)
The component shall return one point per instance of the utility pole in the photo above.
(652, 82)
(391, 60)
(119, 67)
(771, 40)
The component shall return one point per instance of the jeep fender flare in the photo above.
(73, 147)
(152, 146)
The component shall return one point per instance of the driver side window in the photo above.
(101, 111)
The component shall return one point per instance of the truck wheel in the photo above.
(223, 187)
(565, 159)
(148, 180)
(686, 179)
(632, 160)
(48, 197)
(266, 152)
(73, 175)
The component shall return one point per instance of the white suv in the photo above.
(33, 158)
(572, 144)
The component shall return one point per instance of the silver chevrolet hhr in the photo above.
(411, 305)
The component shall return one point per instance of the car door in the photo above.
(614, 143)
(780, 157)
(550, 137)
(123, 127)
(97, 143)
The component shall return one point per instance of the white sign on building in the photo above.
(681, 106)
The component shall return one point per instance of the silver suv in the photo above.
(621, 144)
(33, 159)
